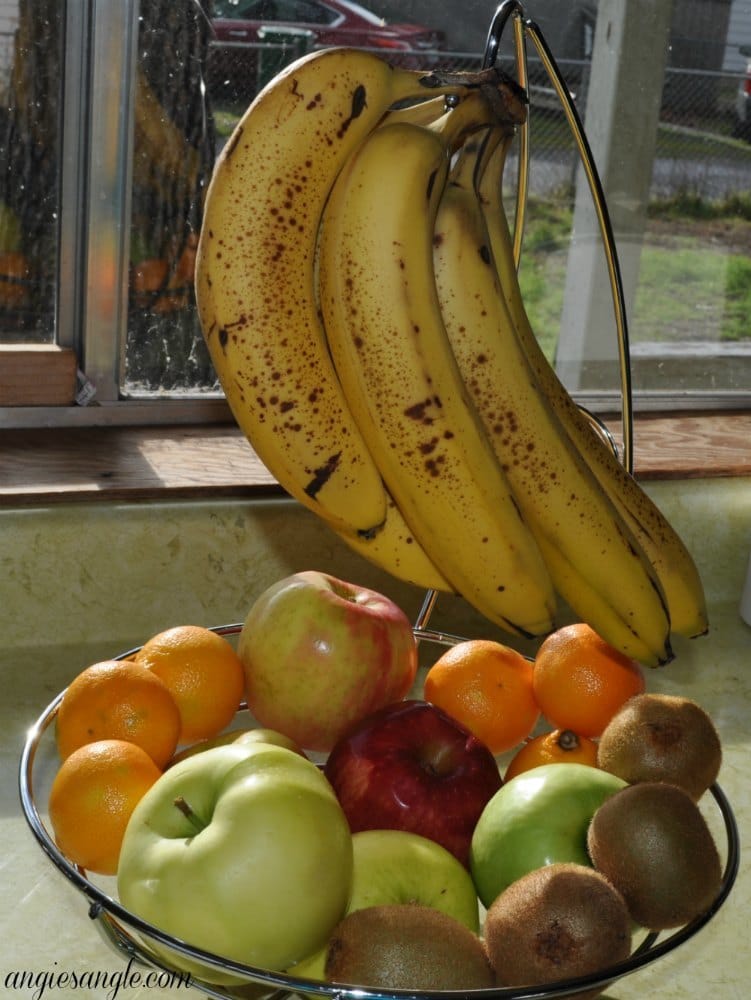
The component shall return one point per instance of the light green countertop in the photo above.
(83, 582)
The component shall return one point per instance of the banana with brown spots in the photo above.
(668, 555)
(595, 562)
(384, 328)
(255, 284)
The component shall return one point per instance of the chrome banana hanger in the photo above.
(524, 28)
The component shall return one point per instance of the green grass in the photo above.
(687, 205)
(694, 272)
(542, 279)
(663, 310)
(738, 299)
(542, 274)
(224, 121)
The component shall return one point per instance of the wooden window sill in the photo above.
(44, 466)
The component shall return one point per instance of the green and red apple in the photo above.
(321, 653)
(243, 852)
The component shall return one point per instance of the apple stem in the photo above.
(184, 806)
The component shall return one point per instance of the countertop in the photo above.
(71, 596)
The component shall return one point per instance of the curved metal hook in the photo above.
(497, 25)
(524, 27)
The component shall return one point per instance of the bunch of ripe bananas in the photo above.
(358, 293)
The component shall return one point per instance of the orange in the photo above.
(580, 681)
(203, 673)
(487, 687)
(92, 797)
(562, 745)
(118, 700)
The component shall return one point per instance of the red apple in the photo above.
(320, 654)
(410, 766)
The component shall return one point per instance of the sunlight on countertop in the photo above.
(83, 582)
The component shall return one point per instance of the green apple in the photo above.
(237, 736)
(241, 851)
(395, 866)
(539, 817)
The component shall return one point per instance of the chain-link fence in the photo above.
(697, 152)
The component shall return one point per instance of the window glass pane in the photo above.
(172, 159)
(30, 88)
(671, 153)
(671, 146)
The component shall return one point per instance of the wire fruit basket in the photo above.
(133, 938)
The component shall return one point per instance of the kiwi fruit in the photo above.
(561, 921)
(661, 737)
(406, 946)
(653, 843)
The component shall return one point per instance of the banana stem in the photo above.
(480, 109)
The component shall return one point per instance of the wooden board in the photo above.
(37, 375)
(137, 463)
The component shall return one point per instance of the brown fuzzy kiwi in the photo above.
(660, 737)
(407, 946)
(653, 843)
(561, 921)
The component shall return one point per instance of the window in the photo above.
(32, 58)
(113, 111)
(306, 13)
(173, 150)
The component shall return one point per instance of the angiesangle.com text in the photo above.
(59, 983)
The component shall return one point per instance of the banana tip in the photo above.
(668, 656)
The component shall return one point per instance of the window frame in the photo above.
(97, 122)
(97, 126)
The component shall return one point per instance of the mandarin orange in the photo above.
(118, 700)
(556, 747)
(487, 687)
(580, 681)
(92, 798)
(203, 673)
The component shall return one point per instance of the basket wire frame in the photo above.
(116, 924)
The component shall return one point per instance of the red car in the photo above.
(255, 38)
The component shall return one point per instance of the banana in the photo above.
(417, 113)
(255, 275)
(559, 498)
(606, 620)
(395, 549)
(673, 564)
(385, 331)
